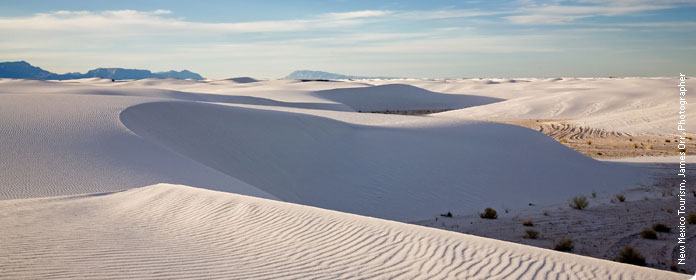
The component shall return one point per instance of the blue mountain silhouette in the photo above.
(24, 70)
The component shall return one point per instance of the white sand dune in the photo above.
(411, 169)
(406, 172)
(633, 105)
(284, 141)
(178, 232)
(54, 144)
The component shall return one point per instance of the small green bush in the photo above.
(531, 234)
(662, 228)
(691, 218)
(621, 197)
(489, 213)
(648, 233)
(631, 256)
(579, 202)
(564, 245)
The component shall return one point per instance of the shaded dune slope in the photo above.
(401, 97)
(421, 170)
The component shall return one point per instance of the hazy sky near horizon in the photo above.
(270, 39)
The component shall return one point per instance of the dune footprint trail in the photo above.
(179, 232)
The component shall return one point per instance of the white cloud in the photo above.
(131, 21)
(563, 13)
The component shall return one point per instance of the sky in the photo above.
(428, 39)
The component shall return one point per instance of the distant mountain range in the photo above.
(24, 70)
(320, 75)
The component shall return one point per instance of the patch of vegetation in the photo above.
(563, 140)
(528, 223)
(631, 256)
(579, 202)
(489, 213)
(531, 234)
(691, 218)
(621, 197)
(648, 233)
(564, 245)
(594, 194)
(650, 147)
(661, 228)
(448, 215)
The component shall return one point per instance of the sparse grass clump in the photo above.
(648, 233)
(579, 202)
(661, 228)
(448, 215)
(564, 245)
(631, 256)
(691, 218)
(528, 223)
(563, 140)
(594, 194)
(621, 197)
(531, 234)
(489, 213)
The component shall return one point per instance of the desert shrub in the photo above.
(528, 223)
(635, 146)
(531, 234)
(621, 197)
(631, 256)
(650, 147)
(589, 142)
(648, 233)
(599, 153)
(448, 215)
(563, 140)
(489, 213)
(661, 228)
(667, 141)
(691, 218)
(579, 202)
(594, 194)
(564, 245)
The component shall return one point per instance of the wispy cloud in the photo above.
(156, 21)
(567, 13)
